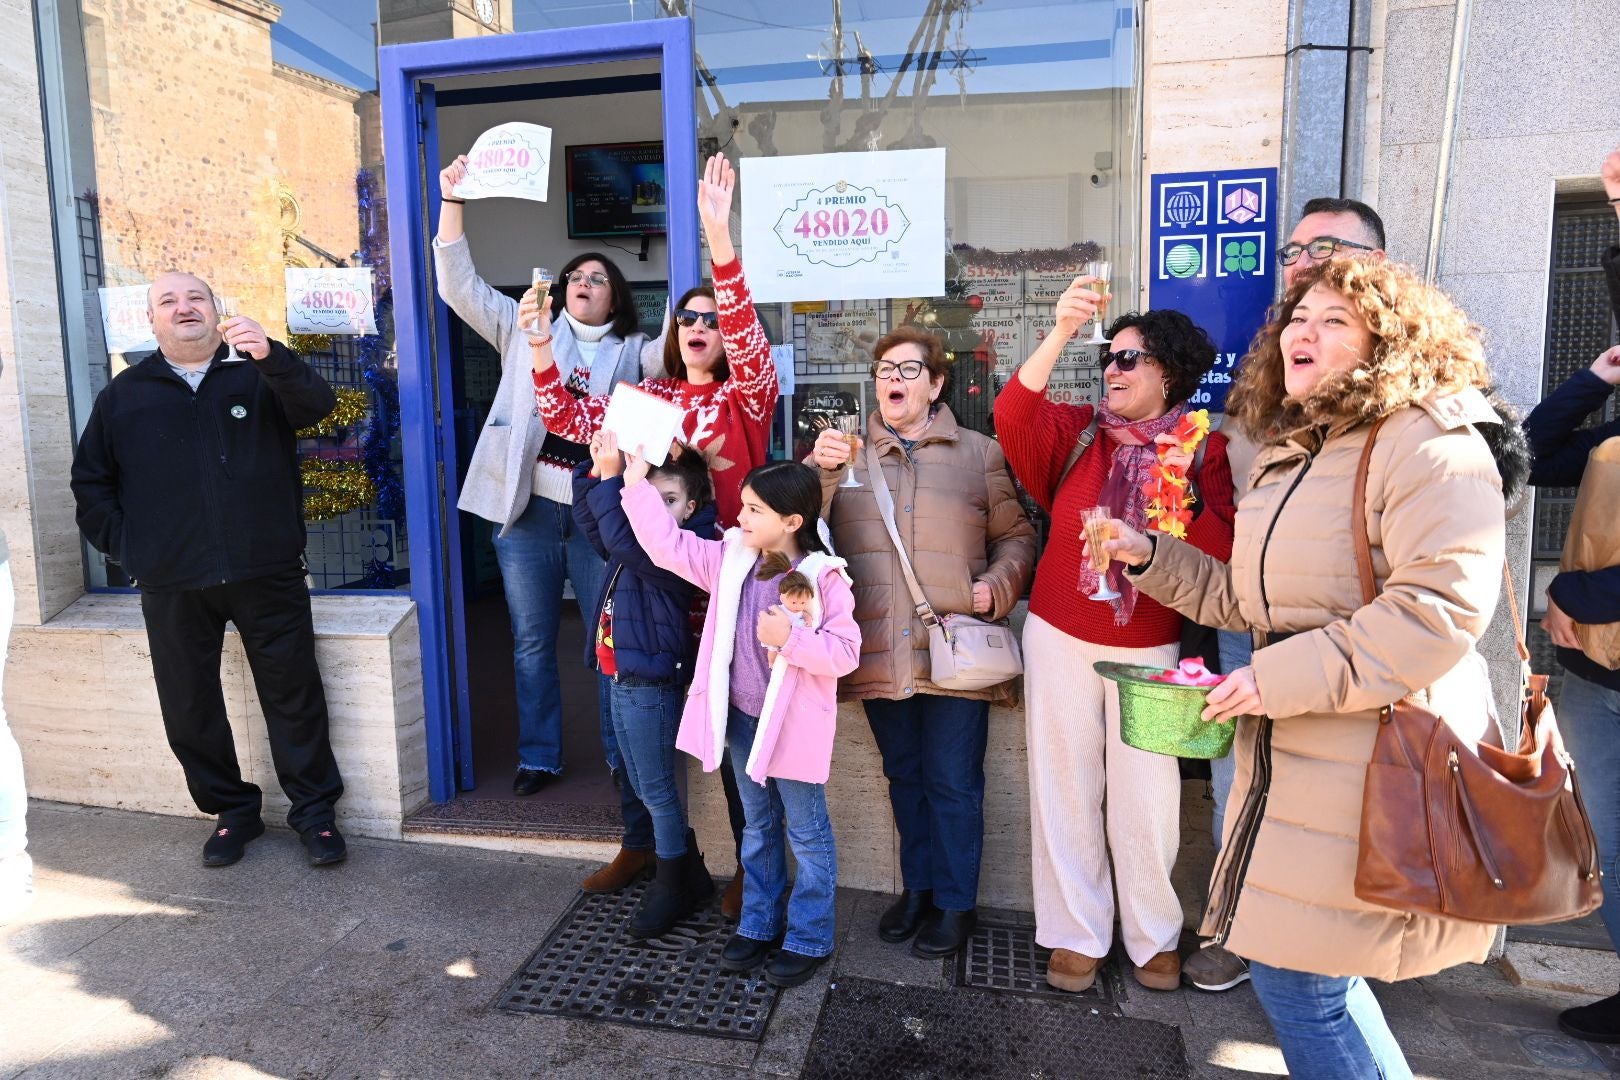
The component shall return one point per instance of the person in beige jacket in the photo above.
(1354, 342)
(973, 550)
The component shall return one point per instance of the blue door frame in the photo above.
(410, 153)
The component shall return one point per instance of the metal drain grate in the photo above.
(1002, 957)
(877, 1031)
(588, 969)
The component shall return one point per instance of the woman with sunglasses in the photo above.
(717, 367)
(972, 549)
(717, 363)
(1077, 763)
(521, 479)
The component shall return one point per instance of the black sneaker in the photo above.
(1598, 1022)
(788, 968)
(325, 845)
(529, 781)
(227, 842)
(745, 953)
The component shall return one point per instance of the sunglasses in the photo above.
(595, 281)
(1125, 359)
(1321, 248)
(907, 369)
(688, 318)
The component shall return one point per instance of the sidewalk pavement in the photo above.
(137, 961)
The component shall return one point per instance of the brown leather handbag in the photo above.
(1476, 833)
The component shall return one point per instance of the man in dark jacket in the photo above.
(1589, 704)
(187, 476)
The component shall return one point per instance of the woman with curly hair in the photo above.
(1091, 796)
(1354, 344)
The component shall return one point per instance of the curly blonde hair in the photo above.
(1422, 344)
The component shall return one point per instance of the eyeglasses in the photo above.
(1125, 359)
(907, 369)
(1321, 248)
(689, 318)
(580, 277)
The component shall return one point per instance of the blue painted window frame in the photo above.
(429, 448)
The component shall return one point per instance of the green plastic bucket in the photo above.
(1162, 718)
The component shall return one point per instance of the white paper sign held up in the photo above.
(645, 423)
(336, 301)
(125, 321)
(510, 161)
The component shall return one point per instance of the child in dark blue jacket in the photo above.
(646, 643)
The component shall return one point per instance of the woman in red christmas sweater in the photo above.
(1077, 763)
(716, 356)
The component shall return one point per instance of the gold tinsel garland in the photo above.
(334, 487)
(305, 344)
(350, 410)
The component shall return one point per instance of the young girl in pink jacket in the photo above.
(778, 718)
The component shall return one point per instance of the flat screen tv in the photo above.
(616, 189)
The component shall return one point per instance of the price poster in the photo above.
(1045, 286)
(845, 226)
(1036, 327)
(1002, 334)
(993, 288)
(124, 319)
(508, 161)
(337, 301)
(841, 337)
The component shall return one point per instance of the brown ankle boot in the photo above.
(626, 867)
(731, 901)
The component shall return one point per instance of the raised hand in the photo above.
(1607, 365)
(451, 175)
(246, 336)
(831, 451)
(714, 206)
(1077, 306)
(605, 454)
(636, 468)
(1611, 173)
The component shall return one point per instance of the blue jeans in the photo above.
(933, 754)
(543, 547)
(1329, 1028)
(1237, 650)
(645, 715)
(638, 823)
(809, 913)
(1589, 718)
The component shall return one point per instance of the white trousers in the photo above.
(1091, 795)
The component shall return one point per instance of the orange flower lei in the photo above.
(1166, 489)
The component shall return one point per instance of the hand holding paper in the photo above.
(643, 423)
(509, 160)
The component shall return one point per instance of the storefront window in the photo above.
(239, 140)
(1034, 103)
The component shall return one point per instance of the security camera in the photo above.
(1099, 180)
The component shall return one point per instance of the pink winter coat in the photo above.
(794, 740)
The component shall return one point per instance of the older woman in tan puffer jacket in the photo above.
(1353, 343)
(973, 550)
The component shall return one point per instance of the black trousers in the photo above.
(186, 632)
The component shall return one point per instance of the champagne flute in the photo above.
(225, 307)
(1098, 531)
(1101, 269)
(542, 296)
(850, 426)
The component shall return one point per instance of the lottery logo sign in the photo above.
(330, 301)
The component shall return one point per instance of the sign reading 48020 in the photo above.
(876, 231)
(842, 225)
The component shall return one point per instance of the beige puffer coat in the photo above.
(959, 517)
(1283, 891)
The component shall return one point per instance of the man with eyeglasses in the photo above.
(1328, 228)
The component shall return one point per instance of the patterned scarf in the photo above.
(1122, 492)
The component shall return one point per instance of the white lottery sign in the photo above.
(336, 301)
(124, 319)
(511, 161)
(845, 226)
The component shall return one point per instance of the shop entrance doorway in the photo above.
(604, 91)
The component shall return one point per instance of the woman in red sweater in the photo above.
(716, 356)
(1077, 763)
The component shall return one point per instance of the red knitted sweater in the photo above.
(729, 421)
(1037, 435)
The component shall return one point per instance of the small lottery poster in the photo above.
(510, 161)
(125, 321)
(334, 301)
